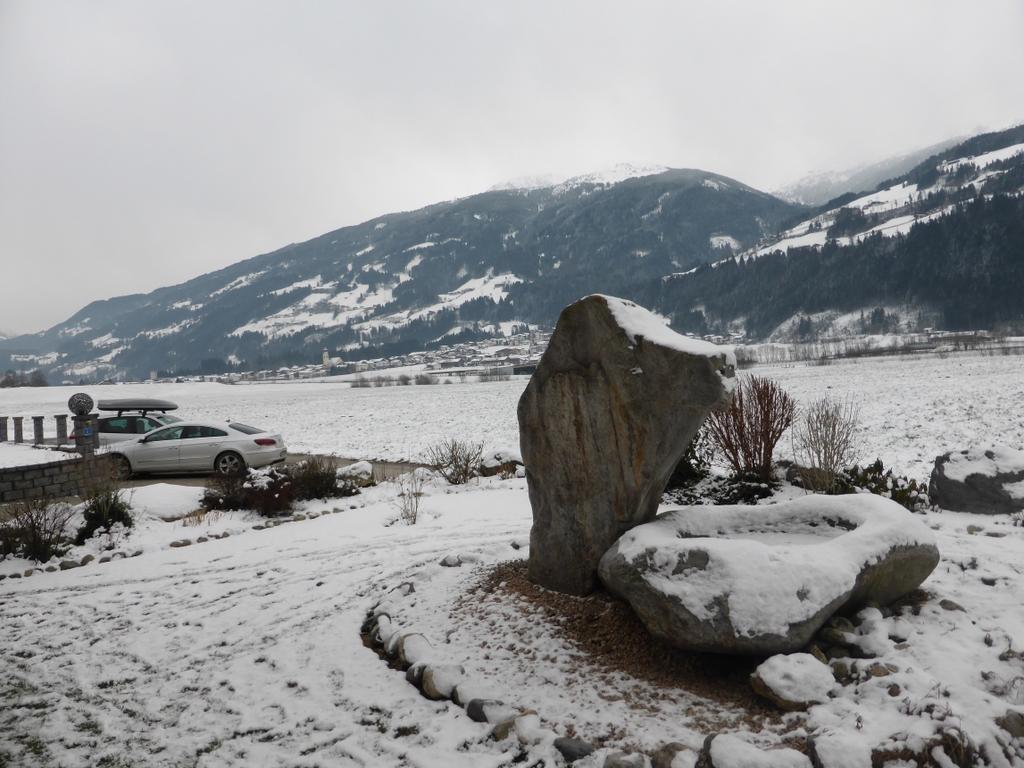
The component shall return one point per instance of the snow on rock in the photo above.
(359, 473)
(728, 751)
(740, 579)
(793, 681)
(984, 481)
(637, 321)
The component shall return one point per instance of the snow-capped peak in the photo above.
(606, 177)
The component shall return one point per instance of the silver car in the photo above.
(227, 447)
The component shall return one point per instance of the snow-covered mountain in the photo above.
(942, 245)
(818, 188)
(480, 266)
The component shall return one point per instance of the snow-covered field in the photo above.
(245, 650)
(912, 408)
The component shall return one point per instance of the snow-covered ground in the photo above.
(912, 408)
(245, 650)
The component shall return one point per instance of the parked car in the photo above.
(227, 447)
(135, 416)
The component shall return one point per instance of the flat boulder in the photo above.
(764, 579)
(612, 406)
(793, 681)
(985, 481)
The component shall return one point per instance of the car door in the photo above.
(115, 429)
(199, 447)
(158, 451)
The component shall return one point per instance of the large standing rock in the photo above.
(989, 482)
(762, 580)
(614, 403)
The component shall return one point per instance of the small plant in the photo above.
(876, 479)
(105, 508)
(316, 478)
(746, 432)
(425, 378)
(695, 462)
(268, 492)
(823, 442)
(409, 494)
(35, 529)
(457, 461)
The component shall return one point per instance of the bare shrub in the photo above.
(746, 432)
(823, 441)
(35, 529)
(425, 378)
(269, 492)
(316, 477)
(410, 491)
(404, 380)
(360, 382)
(457, 461)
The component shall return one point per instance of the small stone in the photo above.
(136, 553)
(988, 581)
(573, 749)
(67, 565)
(815, 650)
(666, 754)
(973, 529)
(298, 518)
(181, 543)
(478, 709)
(838, 652)
(87, 559)
(503, 730)
(14, 576)
(105, 559)
(28, 573)
(414, 674)
(877, 669)
(1013, 723)
(949, 605)
(793, 682)
(995, 534)
(841, 672)
(451, 561)
(313, 515)
(259, 527)
(894, 690)
(51, 568)
(202, 540)
(439, 680)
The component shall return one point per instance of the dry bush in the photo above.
(35, 529)
(746, 432)
(269, 492)
(316, 477)
(425, 378)
(823, 442)
(457, 461)
(409, 494)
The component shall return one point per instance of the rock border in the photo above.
(408, 651)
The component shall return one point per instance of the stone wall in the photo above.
(53, 479)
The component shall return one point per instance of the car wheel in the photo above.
(122, 467)
(229, 463)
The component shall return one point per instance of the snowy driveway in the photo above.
(243, 651)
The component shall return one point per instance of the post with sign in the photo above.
(80, 405)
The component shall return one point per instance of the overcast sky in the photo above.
(145, 143)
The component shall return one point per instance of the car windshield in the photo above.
(245, 428)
